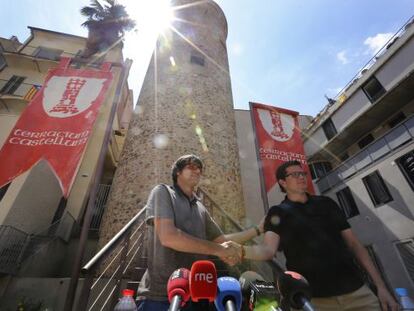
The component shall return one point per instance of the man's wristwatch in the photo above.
(257, 230)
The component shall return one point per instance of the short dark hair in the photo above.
(182, 161)
(281, 171)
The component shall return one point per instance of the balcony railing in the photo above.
(16, 246)
(340, 97)
(21, 90)
(371, 153)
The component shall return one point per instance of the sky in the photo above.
(285, 53)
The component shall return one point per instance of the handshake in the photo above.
(231, 253)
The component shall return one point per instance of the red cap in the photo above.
(128, 292)
(203, 281)
(294, 275)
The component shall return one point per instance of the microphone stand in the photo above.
(230, 305)
(307, 306)
(175, 303)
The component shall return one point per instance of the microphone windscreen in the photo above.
(263, 296)
(179, 285)
(203, 281)
(293, 285)
(246, 279)
(228, 288)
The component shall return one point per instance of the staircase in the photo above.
(16, 246)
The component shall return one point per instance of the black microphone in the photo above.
(294, 288)
(259, 294)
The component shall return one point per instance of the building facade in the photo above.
(39, 229)
(361, 151)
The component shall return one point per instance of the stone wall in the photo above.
(184, 107)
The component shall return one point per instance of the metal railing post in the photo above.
(85, 292)
(120, 272)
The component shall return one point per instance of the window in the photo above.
(12, 85)
(47, 53)
(329, 128)
(2, 61)
(396, 119)
(344, 157)
(406, 251)
(3, 190)
(377, 189)
(197, 58)
(365, 141)
(319, 169)
(373, 89)
(347, 202)
(406, 165)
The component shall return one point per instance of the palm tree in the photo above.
(106, 25)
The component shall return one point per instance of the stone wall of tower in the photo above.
(184, 107)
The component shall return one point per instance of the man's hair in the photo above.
(281, 171)
(182, 161)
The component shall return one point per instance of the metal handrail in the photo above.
(227, 215)
(124, 239)
(102, 254)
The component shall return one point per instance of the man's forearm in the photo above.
(365, 261)
(183, 242)
(242, 236)
(258, 252)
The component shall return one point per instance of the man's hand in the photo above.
(231, 253)
(387, 301)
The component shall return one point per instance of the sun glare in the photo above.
(153, 16)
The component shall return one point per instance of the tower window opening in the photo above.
(197, 58)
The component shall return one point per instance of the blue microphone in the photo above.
(229, 296)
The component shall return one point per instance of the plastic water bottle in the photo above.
(126, 303)
(405, 301)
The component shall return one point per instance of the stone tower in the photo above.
(185, 106)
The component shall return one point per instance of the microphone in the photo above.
(178, 289)
(261, 295)
(295, 289)
(203, 281)
(229, 296)
(245, 280)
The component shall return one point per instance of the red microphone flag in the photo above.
(179, 285)
(203, 281)
(56, 124)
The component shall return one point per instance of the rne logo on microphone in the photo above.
(204, 277)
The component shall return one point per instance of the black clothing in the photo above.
(310, 237)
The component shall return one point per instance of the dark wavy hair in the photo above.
(281, 171)
(182, 161)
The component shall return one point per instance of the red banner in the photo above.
(56, 124)
(279, 140)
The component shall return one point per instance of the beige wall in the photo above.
(32, 198)
(36, 201)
